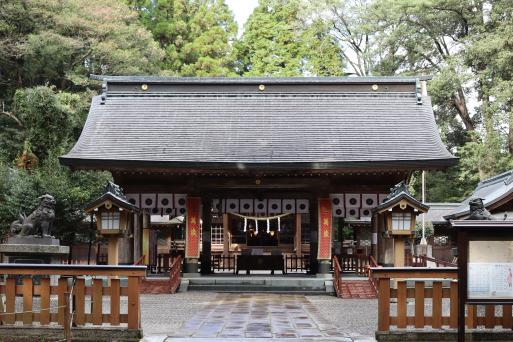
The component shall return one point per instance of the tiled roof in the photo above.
(490, 190)
(244, 130)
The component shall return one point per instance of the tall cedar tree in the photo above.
(197, 35)
(279, 40)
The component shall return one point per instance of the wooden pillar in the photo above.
(146, 238)
(137, 237)
(226, 235)
(399, 242)
(314, 231)
(297, 240)
(206, 250)
(113, 251)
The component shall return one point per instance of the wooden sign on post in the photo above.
(193, 227)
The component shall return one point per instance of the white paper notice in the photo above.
(490, 280)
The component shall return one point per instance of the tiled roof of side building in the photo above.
(244, 130)
(491, 190)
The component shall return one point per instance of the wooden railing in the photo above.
(434, 295)
(422, 261)
(297, 263)
(372, 264)
(223, 263)
(355, 263)
(174, 274)
(337, 277)
(88, 286)
(140, 261)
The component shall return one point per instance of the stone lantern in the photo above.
(114, 218)
(399, 212)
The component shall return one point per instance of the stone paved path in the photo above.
(255, 317)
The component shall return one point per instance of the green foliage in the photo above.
(279, 41)
(47, 122)
(197, 35)
(48, 49)
(63, 42)
(19, 190)
(429, 230)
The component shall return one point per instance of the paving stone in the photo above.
(240, 317)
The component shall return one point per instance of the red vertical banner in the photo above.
(325, 219)
(192, 228)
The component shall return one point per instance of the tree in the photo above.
(48, 48)
(348, 28)
(197, 35)
(427, 38)
(19, 190)
(62, 42)
(280, 40)
(489, 54)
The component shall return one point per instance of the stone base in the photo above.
(323, 268)
(190, 265)
(29, 245)
(33, 240)
(37, 334)
(33, 250)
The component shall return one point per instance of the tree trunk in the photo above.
(510, 130)
(461, 106)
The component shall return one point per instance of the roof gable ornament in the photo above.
(104, 92)
(112, 195)
(418, 91)
(399, 196)
(478, 210)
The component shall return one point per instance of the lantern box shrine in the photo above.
(295, 168)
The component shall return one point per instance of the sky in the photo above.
(241, 9)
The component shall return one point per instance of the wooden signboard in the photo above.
(485, 265)
(193, 227)
(325, 218)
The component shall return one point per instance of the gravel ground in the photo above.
(349, 315)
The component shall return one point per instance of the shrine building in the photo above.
(219, 169)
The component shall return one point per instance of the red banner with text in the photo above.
(325, 219)
(192, 237)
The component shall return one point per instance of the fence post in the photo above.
(67, 317)
(134, 314)
(384, 304)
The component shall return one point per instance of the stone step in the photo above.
(238, 288)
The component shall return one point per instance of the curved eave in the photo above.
(117, 201)
(397, 199)
(107, 164)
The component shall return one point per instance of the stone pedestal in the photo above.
(33, 250)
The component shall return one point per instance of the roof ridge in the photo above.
(249, 94)
(495, 179)
(268, 80)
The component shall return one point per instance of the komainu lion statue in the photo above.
(38, 223)
(478, 210)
